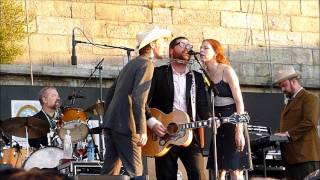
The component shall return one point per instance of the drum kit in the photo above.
(74, 120)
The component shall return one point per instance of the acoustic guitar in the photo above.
(179, 130)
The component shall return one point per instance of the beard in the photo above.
(55, 105)
(182, 56)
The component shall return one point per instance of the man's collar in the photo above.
(184, 73)
(48, 114)
(295, 94)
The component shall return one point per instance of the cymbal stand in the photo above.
(214, 175)
(101, 136)
(96, 149)
(27, 137)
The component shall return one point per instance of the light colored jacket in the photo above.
(126, 99)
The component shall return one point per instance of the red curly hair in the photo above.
(220, 57)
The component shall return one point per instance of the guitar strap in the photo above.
(193, 97)
(193, 109)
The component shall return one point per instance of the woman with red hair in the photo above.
(232, 148)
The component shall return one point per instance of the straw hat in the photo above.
(144, 38)
(285, 74)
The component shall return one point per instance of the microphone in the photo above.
(76, 96)
(17, 148)
(191, 52)
(73, 56)
(58, 113)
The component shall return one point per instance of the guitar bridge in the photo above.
(171, 137)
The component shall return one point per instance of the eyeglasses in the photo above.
(184, 45)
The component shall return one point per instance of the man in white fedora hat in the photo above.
(124, 123)
(299, 119)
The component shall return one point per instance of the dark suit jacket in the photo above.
(35, 142)
(161, 93)
(300, 118)
(126, 99)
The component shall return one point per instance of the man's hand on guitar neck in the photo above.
(156, 126)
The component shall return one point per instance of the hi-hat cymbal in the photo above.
(17, 127)
(97, 109)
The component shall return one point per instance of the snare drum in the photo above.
(48, 157)
(75, 120)
(13, 156)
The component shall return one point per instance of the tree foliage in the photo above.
(12, 30)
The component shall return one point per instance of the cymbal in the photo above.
(97, 109)
(17, 126)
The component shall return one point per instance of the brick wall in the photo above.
(258, 36)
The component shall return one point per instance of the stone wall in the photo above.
(258, 36)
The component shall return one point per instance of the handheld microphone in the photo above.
(191, 52)
(73, 55)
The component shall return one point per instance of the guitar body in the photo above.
(179, 130)
(157, 146)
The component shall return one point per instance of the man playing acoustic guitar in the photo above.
(176, 87)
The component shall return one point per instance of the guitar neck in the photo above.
(206, 123)
(196, 124)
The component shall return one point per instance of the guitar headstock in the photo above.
(239, 118)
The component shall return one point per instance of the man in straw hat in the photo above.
(125, 122)
(299, 119)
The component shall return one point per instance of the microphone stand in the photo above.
(108, 46)
(99, 66)
(214, 123)
(101, 139)
(76, 93)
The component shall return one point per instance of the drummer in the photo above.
(50, 101)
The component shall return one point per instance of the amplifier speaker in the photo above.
(101, 177)
(107, 177)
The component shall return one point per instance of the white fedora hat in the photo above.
(144, 38)
(285, 73)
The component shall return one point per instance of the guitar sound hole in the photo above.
(172, 128)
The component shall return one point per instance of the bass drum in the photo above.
(13, 157)
(48, 157)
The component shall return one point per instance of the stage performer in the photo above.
(173, 88)
(298, 121)
(232, 145)
(124, 122)
(50, 101)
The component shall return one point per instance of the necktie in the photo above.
(289, 101)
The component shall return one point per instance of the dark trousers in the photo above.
(191, 157)
(301, 170)
(122, 148)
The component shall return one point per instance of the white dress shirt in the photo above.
(179, 101)
(179, 84)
